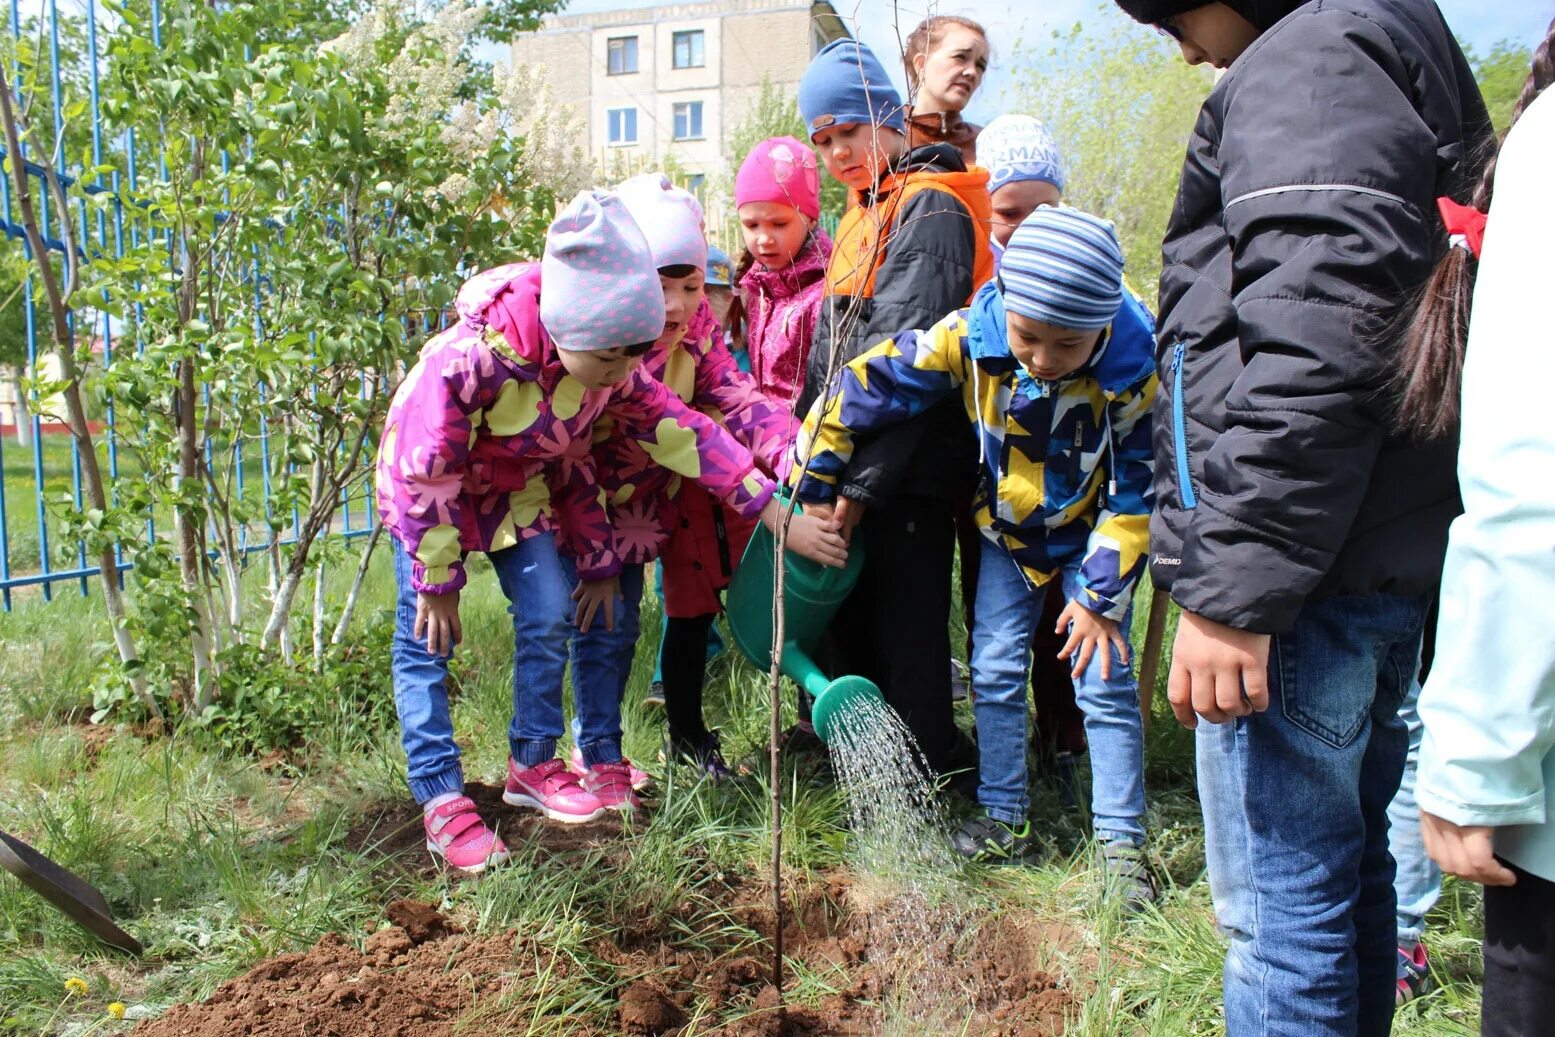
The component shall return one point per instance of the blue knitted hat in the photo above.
(1018, 147)
(1064, 267)
(844, 85)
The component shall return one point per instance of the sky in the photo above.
(1014, 25)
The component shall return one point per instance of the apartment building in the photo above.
(668, 83)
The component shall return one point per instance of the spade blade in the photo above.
(77, 898)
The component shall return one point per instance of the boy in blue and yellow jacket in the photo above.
(1055, 365)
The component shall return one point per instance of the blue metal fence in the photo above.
(47, 565)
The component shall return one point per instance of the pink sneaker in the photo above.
(641, 779)
(612, 783)
(456, 833)
(553, 790)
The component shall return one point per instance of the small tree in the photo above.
(1501, 75)
(312, 210)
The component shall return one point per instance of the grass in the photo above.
(217, 862)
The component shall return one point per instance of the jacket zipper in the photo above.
(1190, 499)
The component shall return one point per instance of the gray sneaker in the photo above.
(655, 696)
(1126, 874)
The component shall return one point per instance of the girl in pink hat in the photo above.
(782, 274)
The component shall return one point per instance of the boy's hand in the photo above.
(437, 619)
(849, 513)
(1218, 672)
(1467, 852)
(809, 536)
(591, 596)
(1088, 633)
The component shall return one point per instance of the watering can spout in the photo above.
(812, 594)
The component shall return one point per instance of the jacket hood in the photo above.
(1125, 353)
(507, 298)
(808, 268)
(1264, 13)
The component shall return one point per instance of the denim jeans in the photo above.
(531, 576)
(1295, 804)
(1008, 608)
(601, 664)
(1419, 881)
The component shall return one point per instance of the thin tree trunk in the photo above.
(23, 416)
(356, 587)
(320, 573)
(64, 346)
(186, 528)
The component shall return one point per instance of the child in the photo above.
(1487, 765)
(1300, 534)
(1024, 172)
(494, 410)
(720, 301)
(946, 58)
(1056, 366)
(912, 248)
(783, 271)
(654, 514)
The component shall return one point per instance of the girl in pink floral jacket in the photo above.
(498, 410)
(653, 512)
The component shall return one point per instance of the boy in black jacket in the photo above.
(1301, 538)
(913, 247)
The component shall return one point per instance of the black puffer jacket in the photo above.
(924, 273)
(1306, 218)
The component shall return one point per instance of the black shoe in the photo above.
(1126, 873)
(986, 841)
(706, 756)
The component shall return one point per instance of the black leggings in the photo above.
(1519, 992)
(684, 669)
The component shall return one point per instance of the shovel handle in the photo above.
(1150, 657)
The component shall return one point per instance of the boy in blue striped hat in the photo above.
(1055, 363)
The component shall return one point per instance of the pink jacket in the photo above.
(702, 372)
(488, 423)
(781, 309)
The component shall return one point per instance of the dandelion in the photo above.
(75, 986)
(116, 1009)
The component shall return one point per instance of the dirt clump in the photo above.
(648, 1011)
(409, 980)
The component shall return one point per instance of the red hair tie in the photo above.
(1465, 225)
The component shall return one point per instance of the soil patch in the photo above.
(420, 975)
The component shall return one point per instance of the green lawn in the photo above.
(218, 862)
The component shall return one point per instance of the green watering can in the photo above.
(811, 593)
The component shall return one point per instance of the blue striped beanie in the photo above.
(1064, 267)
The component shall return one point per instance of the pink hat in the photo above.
(780, 169)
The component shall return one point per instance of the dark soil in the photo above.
(420, 975)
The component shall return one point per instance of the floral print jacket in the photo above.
(640, 491)
(488, 423)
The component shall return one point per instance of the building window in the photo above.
(623, 55)
(688, 49)
(623, 125)
(688, 120)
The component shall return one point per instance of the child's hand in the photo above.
(437, 619)
(591, 595)
(1088, 633)
(848, 514)
(1218, 672)
(809, 536)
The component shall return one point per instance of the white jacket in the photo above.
(1488, 756)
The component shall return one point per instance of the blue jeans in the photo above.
(532, 577)
(1008, 608)
(601, 664)
(1295, 804)
(1419, 881)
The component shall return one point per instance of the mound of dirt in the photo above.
(413, 979)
